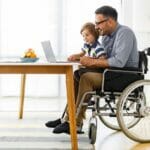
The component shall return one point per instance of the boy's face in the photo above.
(88, 37)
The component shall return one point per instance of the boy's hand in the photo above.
(73, 58)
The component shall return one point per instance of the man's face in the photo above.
(101, 23)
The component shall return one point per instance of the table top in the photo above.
(16, 61)
(41, 64)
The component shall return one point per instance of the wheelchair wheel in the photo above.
(135, 100)
(106, 115)
(92, 132)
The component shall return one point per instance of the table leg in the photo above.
(71, 106)
(22, 93)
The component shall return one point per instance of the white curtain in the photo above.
(25, 23)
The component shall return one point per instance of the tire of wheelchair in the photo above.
(92, 133)
(130, 133)
(92, 130)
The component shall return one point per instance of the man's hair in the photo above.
(91, 28)
(107, 11)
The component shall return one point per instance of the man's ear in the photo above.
(111, 21)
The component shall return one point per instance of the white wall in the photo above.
(136, 14)
(141, 15)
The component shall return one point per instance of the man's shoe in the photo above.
(62, 128)
(53, 124)
(65, 128)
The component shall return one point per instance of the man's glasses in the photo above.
(97, 23)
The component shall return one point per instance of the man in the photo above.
(121, 48)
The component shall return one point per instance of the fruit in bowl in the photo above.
(29, 56)
(30, 53)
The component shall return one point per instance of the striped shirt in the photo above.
(95, 50)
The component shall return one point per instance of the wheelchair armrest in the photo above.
(123, 70)
(118, 71)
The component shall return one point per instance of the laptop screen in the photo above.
(49, 54)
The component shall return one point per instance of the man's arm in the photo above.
(94, 63)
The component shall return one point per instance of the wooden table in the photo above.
(46, 68)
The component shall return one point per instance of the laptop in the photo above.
(49, 54)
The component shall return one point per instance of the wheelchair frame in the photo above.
(118, 104)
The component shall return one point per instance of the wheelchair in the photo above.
(123, 102)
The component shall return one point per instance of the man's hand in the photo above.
(86, 61)
(93, 62)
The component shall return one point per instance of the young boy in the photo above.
(91, 48)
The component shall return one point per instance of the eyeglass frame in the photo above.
(100, 22)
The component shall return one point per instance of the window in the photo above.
(24, 24)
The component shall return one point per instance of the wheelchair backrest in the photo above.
(143, 60)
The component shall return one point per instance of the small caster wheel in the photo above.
(92, 133)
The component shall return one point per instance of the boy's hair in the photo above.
(107, 11)
(91, 28)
